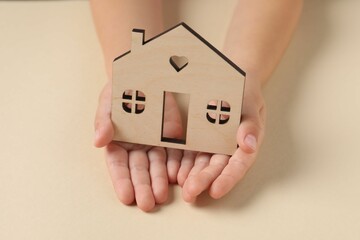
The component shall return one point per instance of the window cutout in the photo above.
(126, 107)
(211, 117)
(139, 108)
(212, 105)
(225, 106)
(127, 94)
(218, 112)
(129, 99)
(178, 62)
(168, 132)
(224, 118)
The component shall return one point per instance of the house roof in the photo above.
(226, 59)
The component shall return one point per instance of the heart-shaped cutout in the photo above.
(178, 62)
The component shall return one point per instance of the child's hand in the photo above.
(219, 173)
(142, 173)
(138, 172)
(250, 44)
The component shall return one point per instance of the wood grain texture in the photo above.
(208, 76)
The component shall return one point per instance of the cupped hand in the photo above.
(142, 173)
(219, 173)
(138, 172)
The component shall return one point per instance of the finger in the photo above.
(158, 174)
(251, 129)
(104, 130)
(203, 179)
(117, 162)
(187, 162)
(235, 170)
(139, 171)
(173, 163)
(201, 161)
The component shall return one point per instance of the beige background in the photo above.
(54, 184)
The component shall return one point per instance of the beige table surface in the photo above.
(54, 184)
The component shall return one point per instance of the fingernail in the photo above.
(250, 141)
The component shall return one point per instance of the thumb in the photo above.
(250, 132)
(104, 130)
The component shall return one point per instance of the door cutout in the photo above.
(175, 107)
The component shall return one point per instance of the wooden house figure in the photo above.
(212, 84)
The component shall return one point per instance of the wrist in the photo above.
(253, 92)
